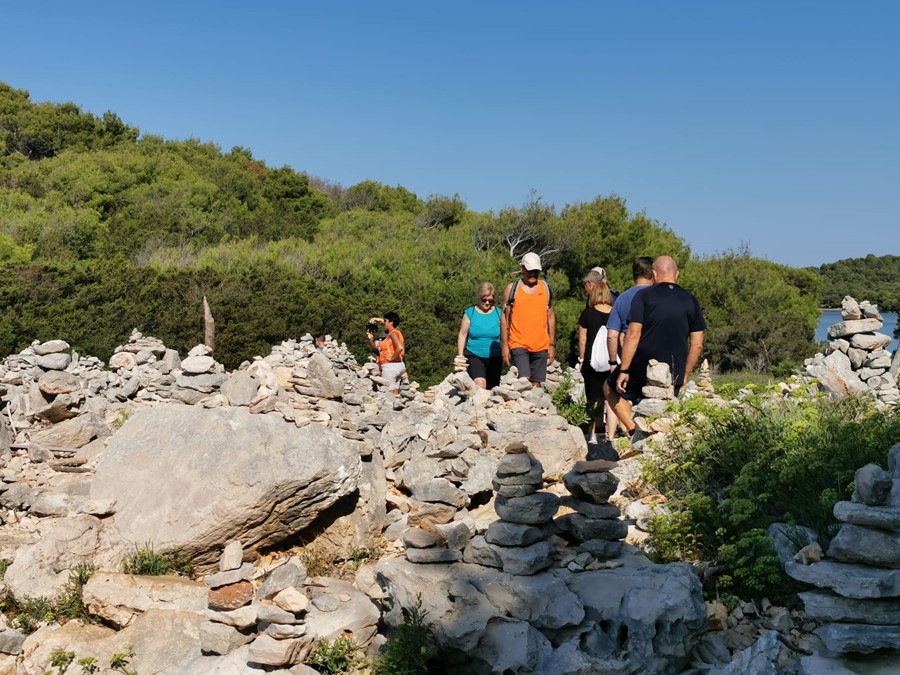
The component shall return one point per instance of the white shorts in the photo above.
(392, 372)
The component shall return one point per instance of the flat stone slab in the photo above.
(826, 606)
(881, 517)
(853, 326)
(503, 533)
(589, 509)
(851, 581)
(844, 638)
(594, 466)
(535, 509)
(583, 528)
(427, 556)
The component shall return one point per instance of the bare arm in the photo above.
(629, 348)
(612, 344)
(696, 346)
(504, 326)
(551, 328)
(463, 334)
(582, 342)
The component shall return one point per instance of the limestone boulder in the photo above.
(43, 567)
(161, 640)
(835, 374)
(625, 620)
(191, 479)
(322, 378)
(71, 433)
(120, 598)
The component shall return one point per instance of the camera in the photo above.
(372, 328)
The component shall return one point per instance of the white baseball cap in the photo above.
(531, 261)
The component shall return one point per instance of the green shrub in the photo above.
(731, 472)
(69, 604)
(61, 660)
(147, 562)
(334, 658)
(573, 410)
(413, 648)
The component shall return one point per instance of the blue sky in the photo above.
(775, 124)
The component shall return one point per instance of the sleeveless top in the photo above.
(528, 324)
(386, 349)
(484, 333)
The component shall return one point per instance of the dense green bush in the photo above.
(103, 230)
(731, 472)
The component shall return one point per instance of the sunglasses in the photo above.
(488, 300)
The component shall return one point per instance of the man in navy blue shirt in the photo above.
(664, 323)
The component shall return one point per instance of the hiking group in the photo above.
(618, 336)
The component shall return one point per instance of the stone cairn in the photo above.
(860, 607)
(281, 614)
(519, 542)
(857, 360)
(594, 525)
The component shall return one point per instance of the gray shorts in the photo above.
(532, 365)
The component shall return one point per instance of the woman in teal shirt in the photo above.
(479, 338)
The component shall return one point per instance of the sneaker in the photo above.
(592, 439)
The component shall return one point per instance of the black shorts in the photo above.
(488, 368)
(593, 383)
(632, 389)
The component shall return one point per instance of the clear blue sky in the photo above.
(769, 122)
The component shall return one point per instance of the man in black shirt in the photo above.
(665, 323)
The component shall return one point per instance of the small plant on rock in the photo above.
(410, 652)
(334, 658)
(69, 604)
(121, 660)
(574, 410)
(61, 661)
(147, 562)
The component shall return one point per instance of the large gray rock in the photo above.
(855, 544)
(835, 374)
(192, 479)
(43, 568)
(71, 433)
(625, 620)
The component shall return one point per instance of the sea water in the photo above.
(830, 317)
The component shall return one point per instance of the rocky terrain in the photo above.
(520, 542)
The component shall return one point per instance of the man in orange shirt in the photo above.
(528, 323)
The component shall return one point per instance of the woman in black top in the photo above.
(592, 319)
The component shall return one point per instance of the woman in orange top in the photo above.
(390, 350)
